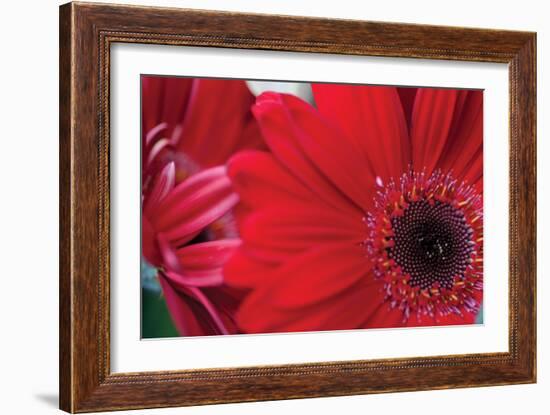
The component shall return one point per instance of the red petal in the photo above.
(196, 278)
(242, 271)
(465, 141)
(212, 211)
(318, 274)
(259, 179)
(194, 184)
(385, 317)
(312, 151)
(473, 172)
(207, 255)
(373, 119)
(432, 119)
(169, 258)
(344, 311)
(218, 117)
(154, 133)
(349, 309)
(214, 313)
(182, 315)
(157, 154)
(163, 184)
(448, 320)
(164, 99)
(407, 96)
(276, 233)
(149, 242)
(194, 204)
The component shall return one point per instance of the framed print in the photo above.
(261, 207)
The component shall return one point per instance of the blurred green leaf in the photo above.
(155, 318)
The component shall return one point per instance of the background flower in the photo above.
(359, 212)
(188, 132)
(196, 123)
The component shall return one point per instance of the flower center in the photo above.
(425, 240)
(432, 243)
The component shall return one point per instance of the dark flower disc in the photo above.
(425, 240)
(432, 243)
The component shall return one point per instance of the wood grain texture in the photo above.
(86, 33)
(65, 248)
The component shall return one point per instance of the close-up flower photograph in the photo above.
(357, 207)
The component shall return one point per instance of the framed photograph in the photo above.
(260, 207)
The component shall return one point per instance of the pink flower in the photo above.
(190, 128)
(196, 123)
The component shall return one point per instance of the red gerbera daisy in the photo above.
(187, 228)
(359, 218)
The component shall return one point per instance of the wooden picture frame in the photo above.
(86, 33)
